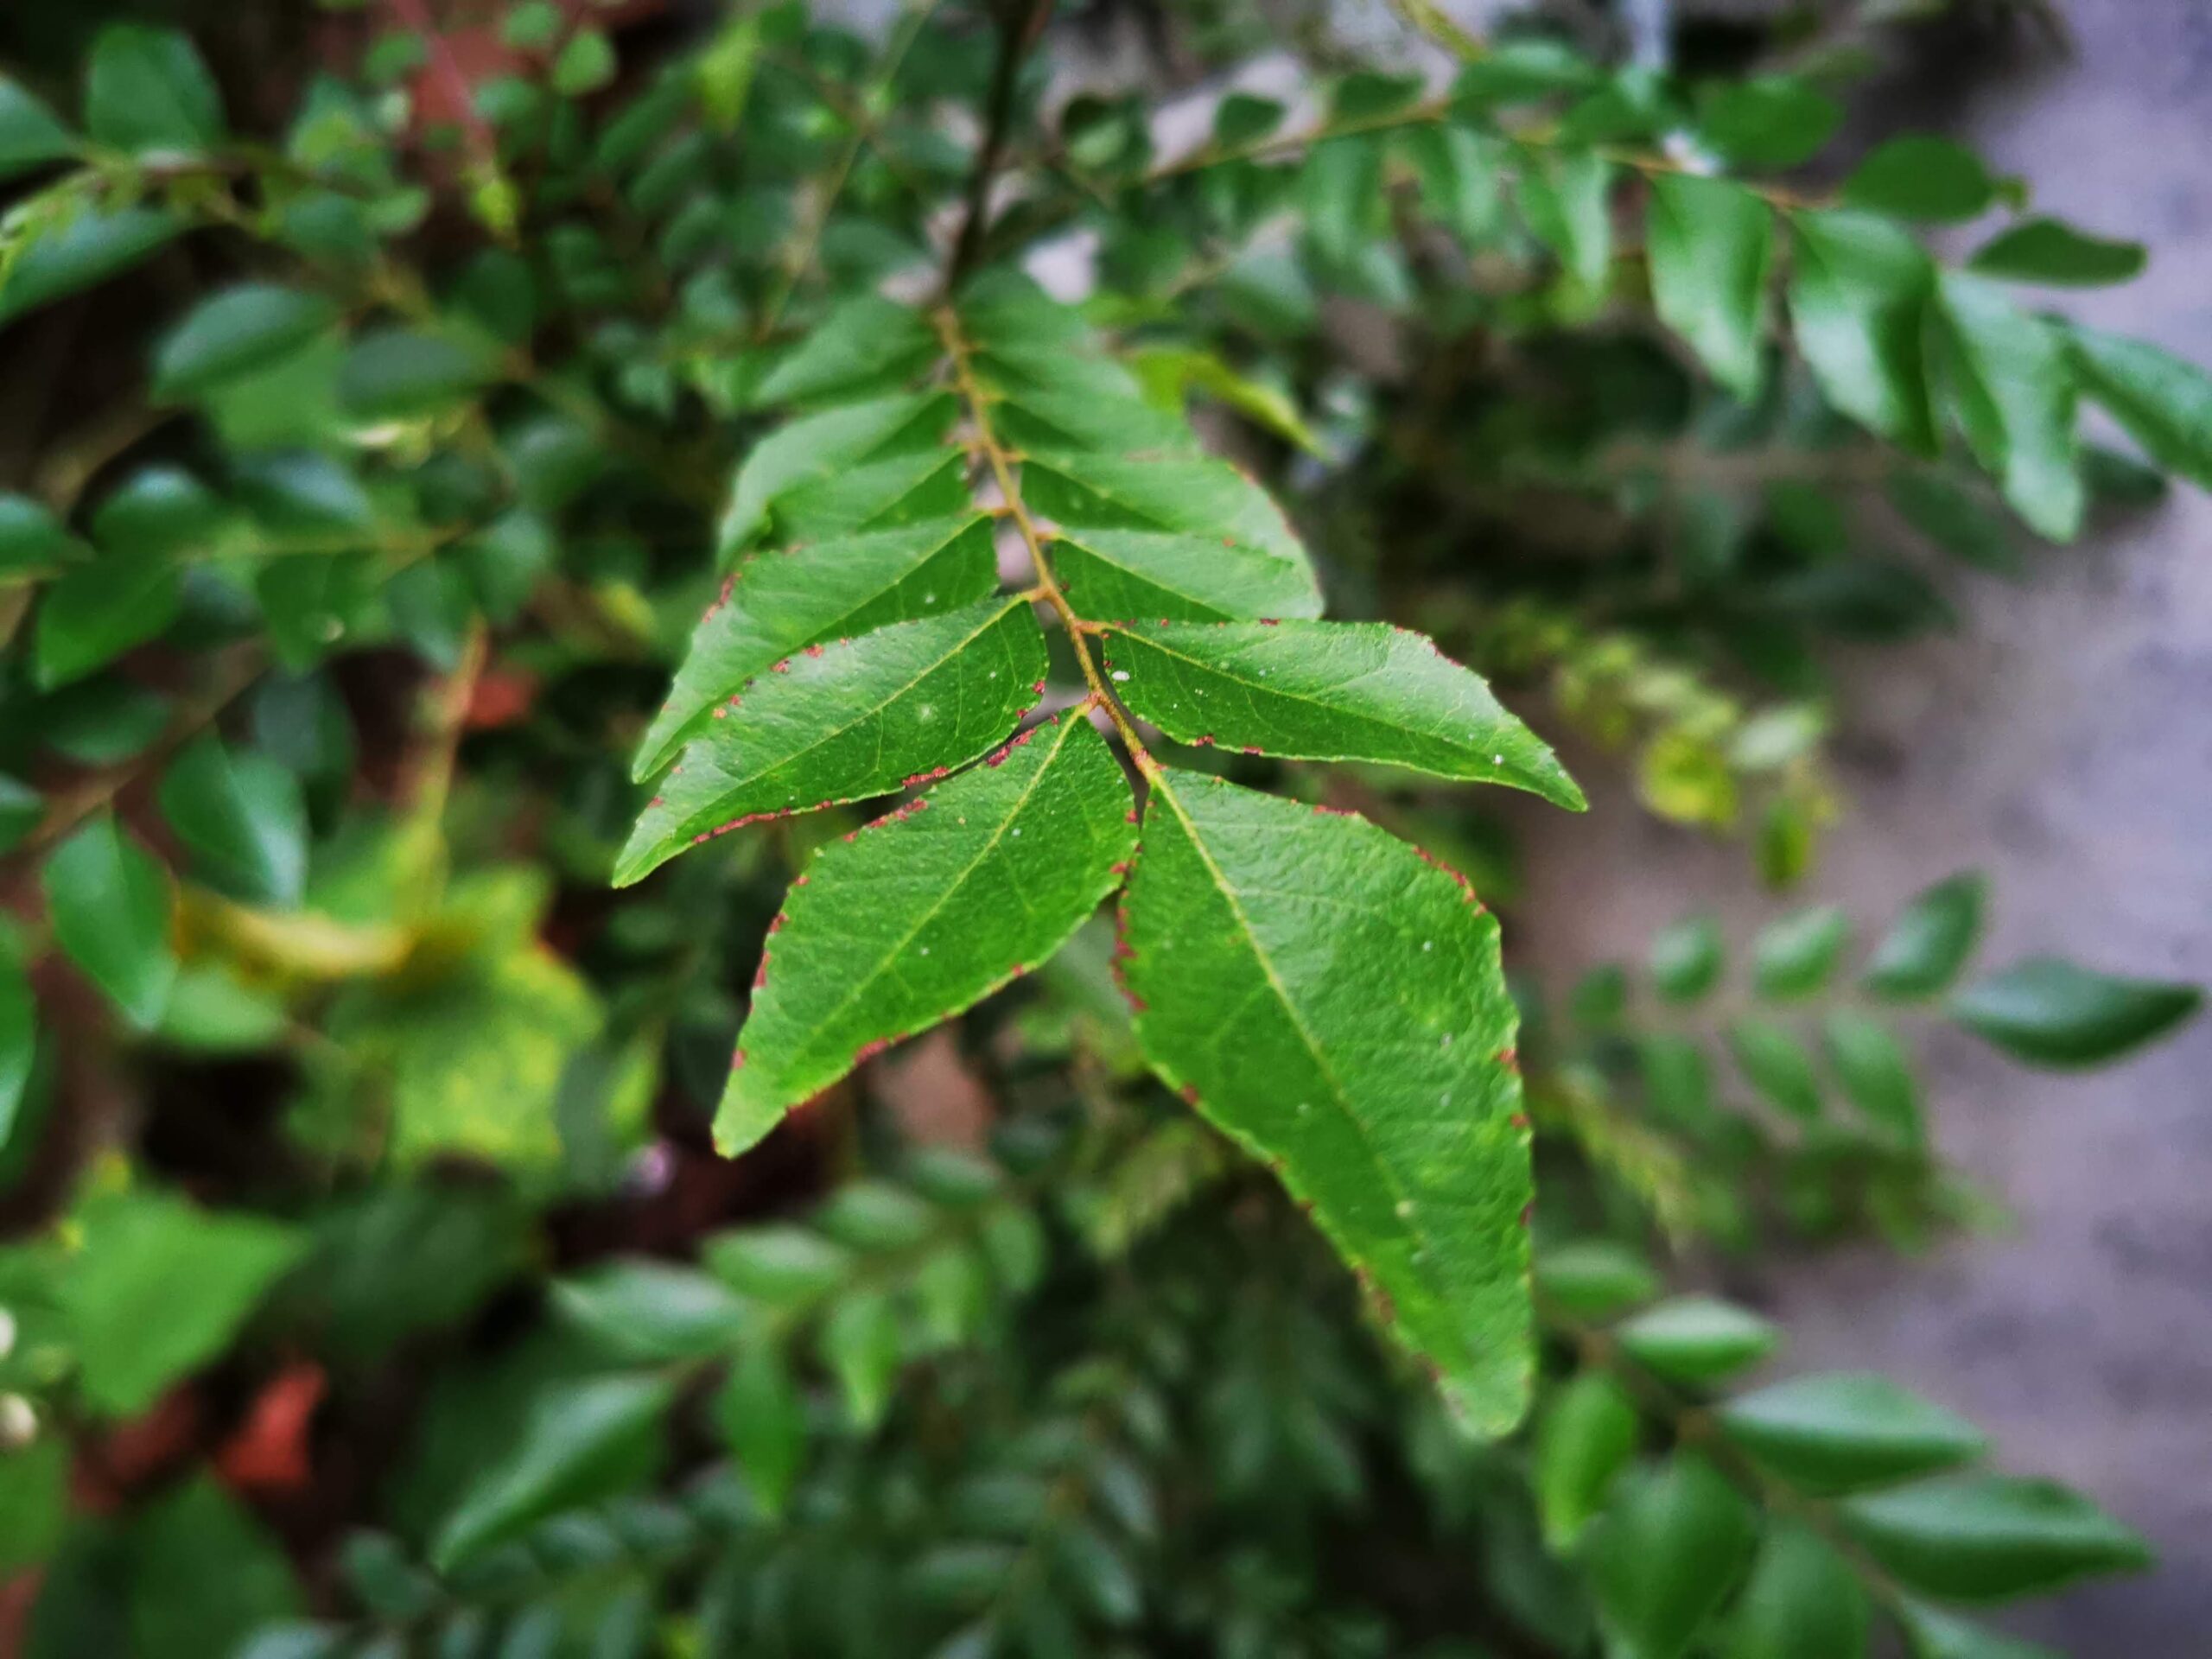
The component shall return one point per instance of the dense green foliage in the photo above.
(617, 597)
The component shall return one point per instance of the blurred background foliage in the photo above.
(370, 382)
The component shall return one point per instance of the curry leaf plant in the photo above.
(1327, 994)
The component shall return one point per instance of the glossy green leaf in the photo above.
(159, 1287)
(647, 1311)
(1710, 244)
(861, 1345)
(1335, 1003)
(1594, 1278)
(865, 345)
(2049, 1012)
(396, 374)
(1665, 1558)
(1876, 1075)
(203, 1574)
(96, 612)
(109, 905)
(1696, 1338)
(788, 1267)
(1521, 67)
(29, 135)
(96, 243)
(1193, 495)
(235, 332)
(1566, 199)
(147, 92)
(1934, 180)
(574, 1437)
(1686, 959)
(1845, 1431)
(18, 1034)
(762, 1419)
(1583, 1442)
(1804, 1602)
(2014, 392)
(1859, 290)
(1329, 691)
(32, 540)
(926, 911)
(1795, 956)
(2163, 403)
(243, 817)
(781, 601)
(1777, 1065)
(823, 446)
(1769, 121)
(846, 721)
(1928, 944)
(1462, 178)
(1156, 575)
(586, 64)
(2054, 253)
(1991, 1537)
(160, 510)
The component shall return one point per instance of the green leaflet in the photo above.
(1802, 1602)
(2013, 389)
(1844, 1431)
(1142, 574)
(231, 334)
(95, 244)
(1666, 1555)
(1335, 1002)
(1710, 244)
(1196, 495)
(784, 599)
(159, 1287)
(242, 816)
(96, 612)
(1928, 943)
(846, 721)
(146, 91)
(1922, 178)
(1991, 1537)
(1565, 199)
(1330, 691)
(29, 135)
(2163, 403)
(109, 902)
(865, 345)
(1859, 297)
(2052, 251)
(825, 446)
(2049, 1012)
(924, 912)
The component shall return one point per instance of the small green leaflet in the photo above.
(1567, 201)
(2163, 403)
(784, 599)
(1667, 1554)
(1991, 1537)
(109, 905)
(2050, 251)
(1710, 244)
(2050, 1011)
(30, 135)
(1335, 1002)
(1132, 574)
(159, 1286)
(815, 447)
(2013, 389)
(925, 912)
(1859, 297)
(147, 92)
(18, 1032)
(846, 721)
(1802, 1602)
(231, 334)
(1331, 691)
(865, 345)
(1845, 1431)
(1195, 494)
(96, 612)
(98, 243)
(243, 817)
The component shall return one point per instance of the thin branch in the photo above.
(1018, 32)
(1000, 462)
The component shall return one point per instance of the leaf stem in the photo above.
(1019, 27)
(998, 458)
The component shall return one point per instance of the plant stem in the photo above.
(1000, 462)
(1019, 27)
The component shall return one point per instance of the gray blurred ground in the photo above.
(2062, 742)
